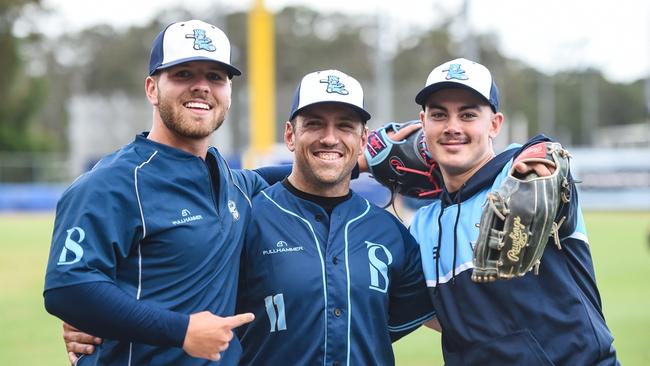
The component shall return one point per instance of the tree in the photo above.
(21, 94)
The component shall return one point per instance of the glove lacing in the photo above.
(491, 198)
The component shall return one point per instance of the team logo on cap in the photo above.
(455, 72)
(201, 41)
(334, 85)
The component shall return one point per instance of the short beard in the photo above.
(175, 122)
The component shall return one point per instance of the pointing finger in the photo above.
(240, 319)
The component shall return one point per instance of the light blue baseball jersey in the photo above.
(554, 318)
(153, 220)
(327, 290)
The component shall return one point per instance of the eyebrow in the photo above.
(183, 66)
(347, 116)
(462, 108)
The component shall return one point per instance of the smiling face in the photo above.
(459, 127)
(190, 99)
(326, 140)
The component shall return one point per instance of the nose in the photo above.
(201, 85)
(329, 137)
(452, 127)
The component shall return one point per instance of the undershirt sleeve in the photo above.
(104, 310)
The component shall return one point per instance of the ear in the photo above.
(151, 89)
(495, 125)
(289, 136)
(422, 117)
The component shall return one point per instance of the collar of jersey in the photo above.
(142, 140)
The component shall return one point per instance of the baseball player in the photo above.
(146, 246)
(331, 278)
(554, 318)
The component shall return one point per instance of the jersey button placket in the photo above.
(338, 312)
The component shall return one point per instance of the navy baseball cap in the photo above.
(191, 40)
(461, 73)
(329, 86)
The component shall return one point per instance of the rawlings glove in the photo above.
(404, 166)
(520, 215)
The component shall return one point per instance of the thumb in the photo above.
(239, 319)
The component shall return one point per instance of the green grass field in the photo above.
(30, 336)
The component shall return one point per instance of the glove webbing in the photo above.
(428, 174)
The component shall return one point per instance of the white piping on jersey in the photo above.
(144, 233)
(412, 324)
(444, 279)
(137, 192)
(144, 226)
(234, 182)
(322, 264)
(347, 275)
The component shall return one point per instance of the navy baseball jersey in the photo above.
(554, 318)
(153, 220)
(327, 289)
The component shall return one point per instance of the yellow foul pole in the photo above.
(261, 78)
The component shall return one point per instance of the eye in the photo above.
(347, 125)
(311, 123)
(182, 74)
(437, 115)
(216, 76)
(468, 116)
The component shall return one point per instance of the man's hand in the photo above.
(534, 159)
(540, 169)
(208, 335)
(77, 341)
(403, 133)
(434, 324)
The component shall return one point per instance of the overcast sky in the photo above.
(552, 35)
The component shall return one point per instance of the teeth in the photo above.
(329, 155)
(197, 105)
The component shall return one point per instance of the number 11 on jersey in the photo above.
(275, 311)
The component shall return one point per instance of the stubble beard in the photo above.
(320, 179)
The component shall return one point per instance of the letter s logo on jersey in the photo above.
(378, 266)
(72, 246)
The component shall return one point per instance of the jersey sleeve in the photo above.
(122, 317)
(96, 225)
(273, 174)
(250, 181)
(410, 304)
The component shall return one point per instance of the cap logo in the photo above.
(201, 41)
(455, 72)
(334, 85)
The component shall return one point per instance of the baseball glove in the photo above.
(404, 166)
(519, 217)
